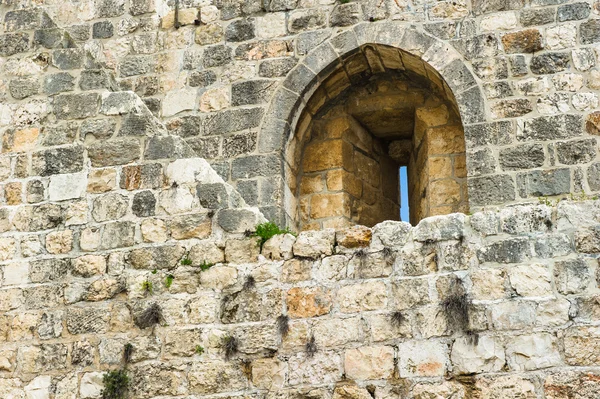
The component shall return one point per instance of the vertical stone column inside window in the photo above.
(380, 110)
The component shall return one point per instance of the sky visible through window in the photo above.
(404, 194)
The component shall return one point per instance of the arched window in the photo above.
(379, 110)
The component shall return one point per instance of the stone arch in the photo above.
(434, 59)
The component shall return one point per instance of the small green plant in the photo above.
(186, 261)
(115, 384)
(169, 280)
(154, 271)
(199, 349)
(344, 1)
(147, 286)
(267, 230)
(206, 265)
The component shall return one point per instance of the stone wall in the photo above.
(523, 73)
(503, 303)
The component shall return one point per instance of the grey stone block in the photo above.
(589, 31)
(300, 79)
(201, 78)
(490, 190)
(272, 135)
(524, 156)
(481, 46)
(550, 63)
(138, 7)
(64, 133)
(255, 166)
(248, 189)
(21, 88)
(187, 126)
(280, 5)
(458, 76)
(206, 147)
(76, 106)
(232, 120)
(346, 14)
(57, 160)
(144, 204)
(239, 144)
(551, 128)
(576, 151)
(305, 42)
(481, 162)
(216, 56)
(536, 17)
(277, 67)
(593, 177)
(117, 151)
(168, 147)
(13, 43)
(240, 30)
(69, 58)
(94, 79)
(573, 12)
(109, 8)
(544, 183)
(306, 19)
(494, 133)
(53, 38)
(27, 19)
(572, 276)
(103, 30)
(321, 58)
(58, 83)
(118, 235)
(471, 106)
(236, 220)
(99, 128)
(252, 92)
(518, 65)
(137, 65)
(511, 250)
(489, 6)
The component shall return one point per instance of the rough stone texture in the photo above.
(112, 90)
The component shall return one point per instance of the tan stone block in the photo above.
(269, 373)
(20, 140)
(308, 302)
(295, 270)
(367, 169)
(101, 180)
(334, 128)
(323, 155)
(361, 297)
(440, 210)
(131, 177)
(430, 117)
(186, 16)
(59, 242)
(336, 83)
(460, 166)
(8, 249)
(440, 167)
(582, 346)
(339, 179)
(370, 195)
(12, 193)
(89, 265)
(400, 151)
(446, 140)
(337, 223)
(311, 226)
(311, 184)
(369, 363)
(154, 230)
(444, 192)
(327, 205)
(354, 237)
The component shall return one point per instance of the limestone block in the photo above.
(531, 280)
(362, 297)
(532, 352)
(308, 302)
(369, 363)
(218, 277)
(582, 345)
(67, 186)
(322, 368)
(422, 358)
(59, 242)
(279, 247)
(91, 385)
(313, 244)
(269, 374)
(487, 355)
